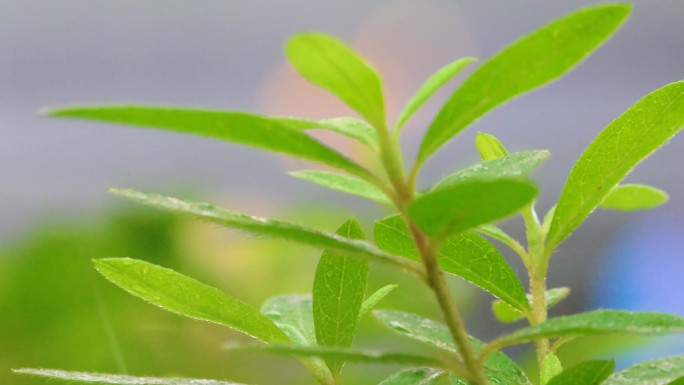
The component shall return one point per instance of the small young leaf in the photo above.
(434, 83)
(274, 134)
(375, 298)
(510, 166)
(498, 366)
(585, 373)
(625, 142)
(505, 313)
(630, 197)
(550, 368)
(338, 292)
(344, 354)
(528, 63)
(489, 147)
(653, 372)
(353, 128)
(116, 379)
(467, 255)
(417, 376)
(183, 295)
(344, 183)
(276, 229)
(332, 65)
(594, 323)
(465, 205)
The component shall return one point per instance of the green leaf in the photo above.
(272, 228)
(528, 63)
(274, 134)
(498, 366)
(653, 372)
(513, 165)
(550, 368)
(416, 376)
(594, 323)
(344, 354)
(353, 128)
(116, 379)
(585, 373)
(344, 183)
(507, 314)
(434, 83)
(466, 255)
(375, 298)
(183, 295)
(338, 293)
(679, 381)
(630, 197)
(489, 147)
(332, 65)
(465, 205)
(628, 140)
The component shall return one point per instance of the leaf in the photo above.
(467, 255)
(416, 376)
(653, 372)
(344, 354)
(375, 298)
(528, 63)
(550, 367)
(274, 134)
(344, 183)
(498, 366)
(272, 228)
(628, 140)
(183, 295)
(679, 381)
(594, 323)
(116, 379)
(465, 205)
(585, 373)
(505, 313)
(489, 147)
(338, 293)
(332, 65)
(513, 165)
(353, 128)
(434, 83)
(629, 197)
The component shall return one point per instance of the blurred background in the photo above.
(55, 214)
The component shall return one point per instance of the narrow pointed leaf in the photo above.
(268, 227)
(343, 183)
(281, 135)
(417, 376)
(338, 292)
(630, 197)
(434, 83)
(489, 147)
(596, 322)
(514, 165)
(653, 372)
(498, 366)
(550, 367)
(507, 314)
(375, 298)
(462, 206)
(528, 63)
(183, 295)
(353, 128)
(466, 255)
(623, 144)
(332, 65)
(585, 373)
(116, 379)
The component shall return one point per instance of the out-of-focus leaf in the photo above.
(630, 197)
(528, 63)
(417, 376)
(625, 142)
(353, 128)
(344, 183)
(375, 298)
(462, 206)
(489, 147)
(505, 313)
(434, 83)
(185, 296)
(550, 368)
(466, 255)
(653, 372)
(332, 65)
(585, 373)
(116, 379)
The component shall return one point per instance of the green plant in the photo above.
(436, 231)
